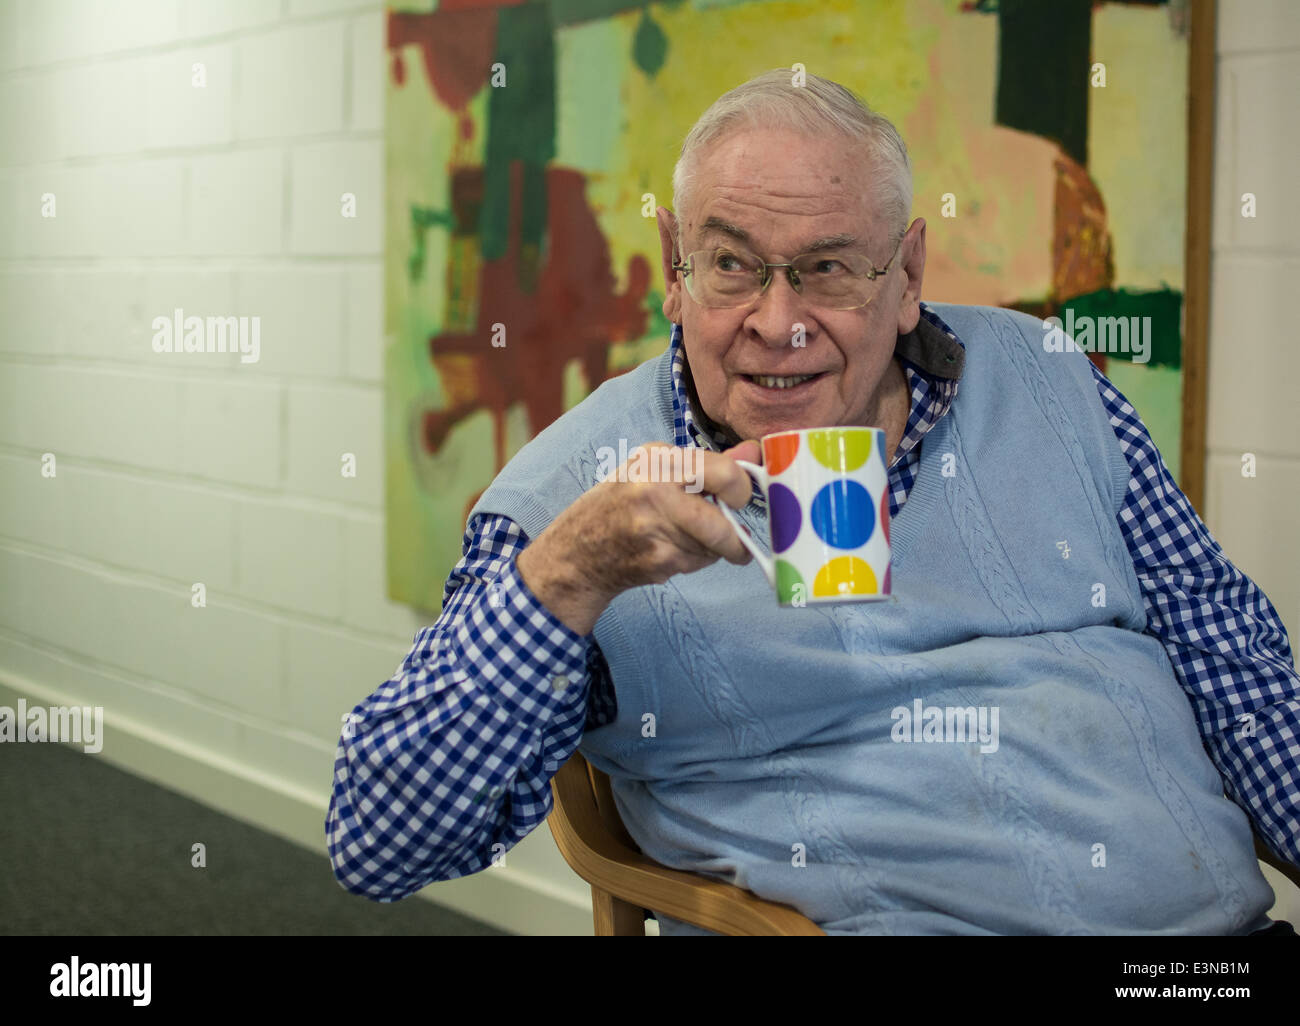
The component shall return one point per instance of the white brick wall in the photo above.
(1254, 365)
(183, 468)
(175, 469)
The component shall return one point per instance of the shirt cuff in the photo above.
(529, 661)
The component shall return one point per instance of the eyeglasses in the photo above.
(724, 277)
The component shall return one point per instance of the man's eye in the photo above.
(829, 267)
(728, 262)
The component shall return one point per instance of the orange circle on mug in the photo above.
(779, 453)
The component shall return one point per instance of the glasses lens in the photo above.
(724, 277)
(727, 275)
(836, 282)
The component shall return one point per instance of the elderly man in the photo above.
(753, 743)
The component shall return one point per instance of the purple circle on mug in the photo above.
(786, 517)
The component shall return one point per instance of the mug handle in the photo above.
(760, 475)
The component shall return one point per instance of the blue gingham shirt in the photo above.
(448, 765)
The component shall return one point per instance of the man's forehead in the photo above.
(800, 192)
(798, 170)
(714, 226)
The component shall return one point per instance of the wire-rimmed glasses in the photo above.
(730, 276)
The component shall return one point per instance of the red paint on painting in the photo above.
(457, 46)
(574, 313)
(1082, 258)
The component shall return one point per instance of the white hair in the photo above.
(820, 106)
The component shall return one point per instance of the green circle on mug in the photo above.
(839, 449)
(788, 579)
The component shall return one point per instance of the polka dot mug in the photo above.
(827, 495)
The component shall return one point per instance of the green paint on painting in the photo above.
(521, 126)
(649, 46)
(1043, 61)
(591, 121)
(659, 326)
(423, 218)
(1156, 393)
(1149, 322)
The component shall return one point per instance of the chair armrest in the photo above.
(612, 866)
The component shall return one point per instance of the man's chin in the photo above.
(752, 423)
(794, 419)
(767, 426)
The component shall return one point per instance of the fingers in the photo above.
(693, 470)
(702, 525)
(665, 523)
(749, 451)
(725, 479)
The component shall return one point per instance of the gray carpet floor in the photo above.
(89, 850)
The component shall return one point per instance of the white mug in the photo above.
(827, 495)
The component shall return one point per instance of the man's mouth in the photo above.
(780, 382)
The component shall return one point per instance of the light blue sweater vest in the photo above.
(778, 759)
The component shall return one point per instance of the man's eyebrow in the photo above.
(717, 225)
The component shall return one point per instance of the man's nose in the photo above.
(780, 308)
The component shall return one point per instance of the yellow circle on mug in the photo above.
(845, 575)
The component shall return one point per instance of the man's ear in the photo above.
(670, 256)
(911, 255)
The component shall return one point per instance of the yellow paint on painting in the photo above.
(592, 62)
(711, 52)
(1137, 153)
(942, 106)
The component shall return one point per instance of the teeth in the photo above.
(767, 381)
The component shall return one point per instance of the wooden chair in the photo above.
(626, 885)
(1289, 871)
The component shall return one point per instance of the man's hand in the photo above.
(624, 534)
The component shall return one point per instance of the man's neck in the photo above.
(703, 421)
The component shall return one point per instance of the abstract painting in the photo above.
(528, 145)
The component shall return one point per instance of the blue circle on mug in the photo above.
(843, 514)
